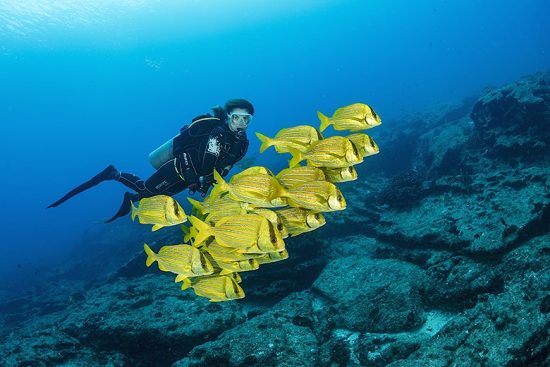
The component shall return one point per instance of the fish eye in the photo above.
(350, 169)
(339, 197)
(235, 288)
(280, 227)
(317, 216)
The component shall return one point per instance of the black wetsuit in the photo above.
(205, 145)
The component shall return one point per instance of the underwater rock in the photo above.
(360, 294)
(498, 211)
(503, 329)
(403, 190)
(147, 319)
(440, 150)
(280, 337)
(513, 121)
(457, 283)
(139, 322)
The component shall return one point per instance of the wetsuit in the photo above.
(205, 145)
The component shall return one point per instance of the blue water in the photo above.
(82, 86)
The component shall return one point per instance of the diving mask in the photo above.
(243, 118)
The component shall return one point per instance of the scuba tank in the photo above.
(188, 138)
(162, 154)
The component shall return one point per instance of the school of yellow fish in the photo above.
(242, 223)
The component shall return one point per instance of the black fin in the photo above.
(125, 206)
(109, 173)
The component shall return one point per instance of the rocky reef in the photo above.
(441, 259)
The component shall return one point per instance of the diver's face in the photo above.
(238, 119)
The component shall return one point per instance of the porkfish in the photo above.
(321, 196)
(179, 259)
(224, 253)
(272, 257)
(228, 266)
(297, 137)
(215, 288)
(355, 117)
(254, 170)
(261, 190)
(214, 211)
(344, 174)
(271, 216)
(365, 145)
(295, 176)
(333, 152)
(300, 220)
(247, 233)
(160, 211)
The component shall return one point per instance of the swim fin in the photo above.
(125, 206)
(109, 173)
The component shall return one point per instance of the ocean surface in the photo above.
(87, 84)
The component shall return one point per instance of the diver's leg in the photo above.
(126, 205)
(166, 180)
(109, 173)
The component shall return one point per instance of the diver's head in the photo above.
(239, 114)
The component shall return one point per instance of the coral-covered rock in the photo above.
(283, 336)
(486, 214)
(403, 190)
(514, 120)
(360, 294)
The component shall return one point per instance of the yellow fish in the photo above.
(179, 259)
(332, 152)
(228, 266)
(216, 288)
(272, 257)
(343, 174)
(364, 144)
(188, 280)
(254, 170)
(271, 216)
(295, 176)
(246, 233)
(355, 117)
(223, 207)
(159, 210)
(218, 251)
(297, 137)
(259, 189)
(322, 196)
(299, 220)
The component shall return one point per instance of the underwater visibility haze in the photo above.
(461, 88)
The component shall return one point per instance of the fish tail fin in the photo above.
(325, 121)
(219, 187)
(297, 157)
(150, 255)
(266, 142)
(202, 230)
(197, 205)
(186, 284)
(134, 210)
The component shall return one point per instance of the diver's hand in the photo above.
(193, 187)
(203, 188)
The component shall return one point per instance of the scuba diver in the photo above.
(187, 161)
